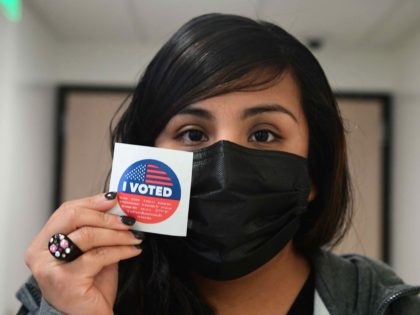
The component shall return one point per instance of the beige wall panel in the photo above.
(363, 123)
(86, 153)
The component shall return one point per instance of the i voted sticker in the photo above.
(149, 191)
(153, 186)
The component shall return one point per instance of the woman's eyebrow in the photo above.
(202, 113)
(264, 108)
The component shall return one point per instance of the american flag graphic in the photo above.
(150, 174)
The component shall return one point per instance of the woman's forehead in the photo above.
(283, 95)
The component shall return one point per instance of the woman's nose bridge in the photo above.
(229, 127)
(229, 133)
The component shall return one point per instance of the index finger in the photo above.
(84, 212)
(99, 202)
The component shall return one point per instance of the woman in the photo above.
(270, 188)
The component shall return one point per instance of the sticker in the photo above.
(153, 186)
(149, 191)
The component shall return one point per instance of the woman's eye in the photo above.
(262, 136)
(193, 135)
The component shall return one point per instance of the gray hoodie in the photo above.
(345, 285)
(354, 284)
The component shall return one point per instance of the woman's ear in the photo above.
(312, 193)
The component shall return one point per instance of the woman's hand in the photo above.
(87, 285)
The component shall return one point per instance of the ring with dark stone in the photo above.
(61, 247)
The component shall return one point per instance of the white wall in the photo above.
(26, 144)
(364, 70)
(368, 70)
(90, 63)
(6, 33)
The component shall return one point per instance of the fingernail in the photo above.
(127, 220)
(138, 235)
(110, 195)
(138, 246)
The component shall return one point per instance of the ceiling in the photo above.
(349, 23)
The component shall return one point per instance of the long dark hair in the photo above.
(211, 55)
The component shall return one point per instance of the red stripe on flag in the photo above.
(157, 177)
(156, 172)
(152, 166)
(157, 182)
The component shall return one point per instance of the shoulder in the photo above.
(375, 270)
(355, 283)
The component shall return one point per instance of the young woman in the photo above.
(270, 189)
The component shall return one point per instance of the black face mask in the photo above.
(245, 207)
